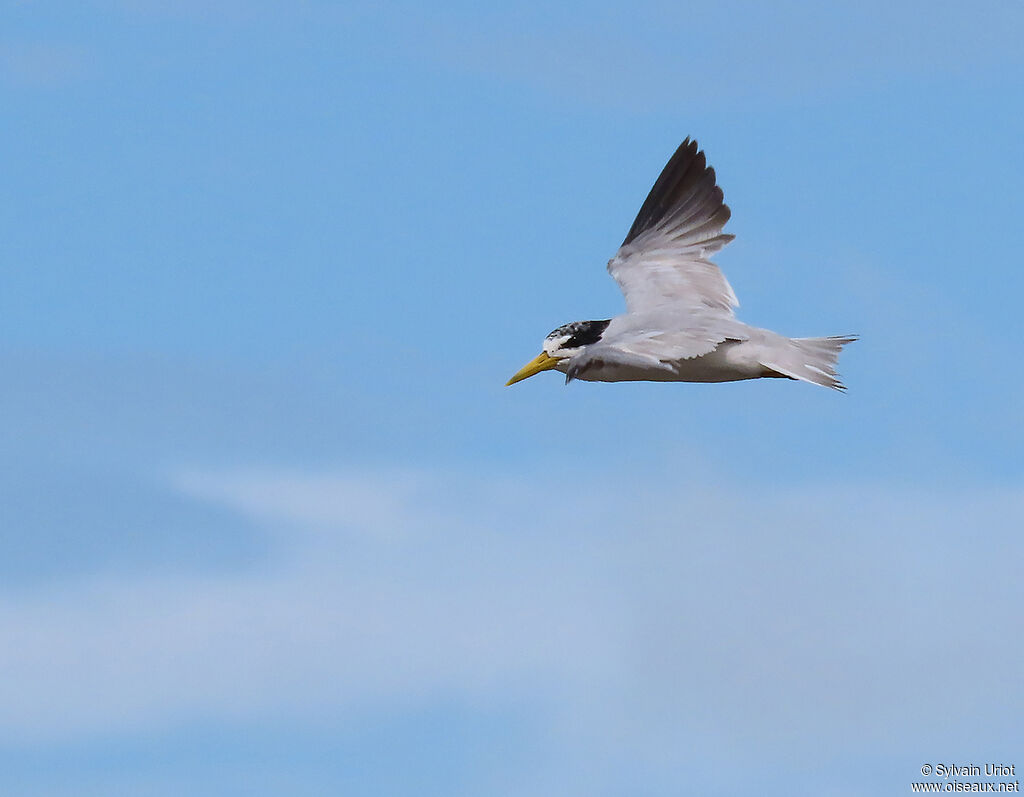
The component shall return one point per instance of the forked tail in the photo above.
(811, 360)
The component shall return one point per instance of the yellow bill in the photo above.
(542, 362)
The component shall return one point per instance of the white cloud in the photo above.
(679, 615)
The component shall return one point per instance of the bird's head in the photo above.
(560, 345)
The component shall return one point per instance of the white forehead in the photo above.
(555, 341)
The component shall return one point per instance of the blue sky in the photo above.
(272, 522)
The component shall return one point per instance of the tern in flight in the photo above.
(679, 324)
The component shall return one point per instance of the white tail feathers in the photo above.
(811, 360)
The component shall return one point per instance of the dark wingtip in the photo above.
(684, 170)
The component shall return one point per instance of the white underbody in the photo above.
(706, 347)
(731, 361)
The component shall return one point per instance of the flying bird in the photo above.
(679, 324)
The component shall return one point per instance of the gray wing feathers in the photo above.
(664, 257)
(598, 356)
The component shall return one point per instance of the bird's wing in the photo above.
(657, 340)
(665, 257)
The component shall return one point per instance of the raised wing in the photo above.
(665, 257)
